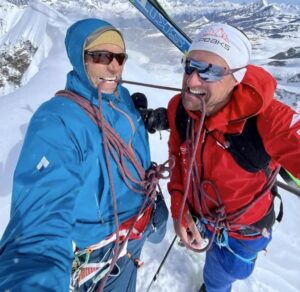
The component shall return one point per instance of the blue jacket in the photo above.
(61, 190)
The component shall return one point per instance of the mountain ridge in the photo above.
(260, 20)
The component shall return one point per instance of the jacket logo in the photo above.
(43, 164)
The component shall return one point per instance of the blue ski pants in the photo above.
(223, 267)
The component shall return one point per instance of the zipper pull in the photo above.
(204, 136)
(225, 146)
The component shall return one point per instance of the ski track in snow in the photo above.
(278, 270)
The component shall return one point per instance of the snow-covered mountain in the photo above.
(33, 66)
(28, 43)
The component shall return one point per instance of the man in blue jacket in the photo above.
(81, 185)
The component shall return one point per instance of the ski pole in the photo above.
(288, 188)
(162, 263)
(151, 85)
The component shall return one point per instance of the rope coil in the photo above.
(217, 218)
(116, 148)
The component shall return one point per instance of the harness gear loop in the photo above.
(85, 271)
(137, 262)
(222, 241)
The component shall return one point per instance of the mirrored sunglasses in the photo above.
(206, 71)
(106, 57)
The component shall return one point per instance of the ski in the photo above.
(153, 11)
(289, 188)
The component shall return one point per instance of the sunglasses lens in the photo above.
(189, 69)
(205, 71)
(106, 58)
(121, 58)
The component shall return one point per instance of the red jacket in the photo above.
(279, 128)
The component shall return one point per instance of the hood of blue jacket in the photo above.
(75, 41)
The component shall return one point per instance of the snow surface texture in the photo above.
(151, 59)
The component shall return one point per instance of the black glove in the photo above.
(153, 119)
(140, 100)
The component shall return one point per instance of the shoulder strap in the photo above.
(248, 149)
(181, 121)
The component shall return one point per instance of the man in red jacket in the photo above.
(216, 192)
